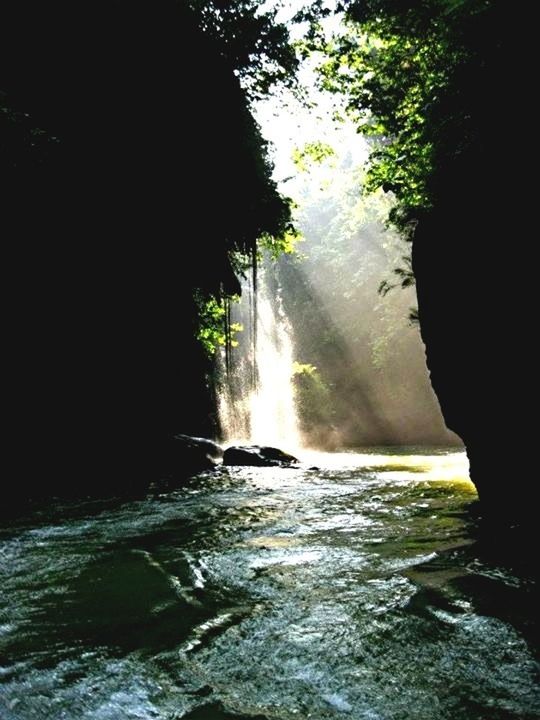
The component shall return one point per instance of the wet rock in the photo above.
(212, 449)
(257, 455)
(188, 455)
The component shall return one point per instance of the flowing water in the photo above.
(256, 401)
(354, 590)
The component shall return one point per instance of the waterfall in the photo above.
(256, 401)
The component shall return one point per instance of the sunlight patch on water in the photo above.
(272, 541)
(294, 557)
(450, 465)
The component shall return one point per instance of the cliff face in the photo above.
(473, 273)
(451, 86)
(130, 171)
(475, 320)
(484, 384)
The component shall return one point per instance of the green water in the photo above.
(354, 590)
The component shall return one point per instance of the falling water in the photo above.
(256, 400)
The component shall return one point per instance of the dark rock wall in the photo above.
(474, 266)
(129, 203)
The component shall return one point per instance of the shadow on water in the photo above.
(503, 576)
(123, 601)
(467, 614)
(216, 711)
(494, 574)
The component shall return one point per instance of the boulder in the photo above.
(189, 455)
(213, 450)
(257, 455)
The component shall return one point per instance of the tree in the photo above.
(395, 63)
(134, 176)
(252, 41)
(434, 82)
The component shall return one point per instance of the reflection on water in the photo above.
(350, 587)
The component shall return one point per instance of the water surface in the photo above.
(348, 588)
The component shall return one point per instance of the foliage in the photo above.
(314, 402)
(213, 331)
(117, 138)
(405, 277)
(405, 69)
(282, 244)
(252, 40)
(256, 47)
(395, 63)
(314, 152)
(304, 369)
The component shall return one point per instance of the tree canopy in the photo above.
(404, 68)
(252, 40)
(134, 176)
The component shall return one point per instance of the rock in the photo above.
(214, 450)
(188, 455)
(217, 711)
(257, 455)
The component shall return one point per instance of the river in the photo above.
(350, 587)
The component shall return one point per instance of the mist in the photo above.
(362, 376)
(359, 371)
